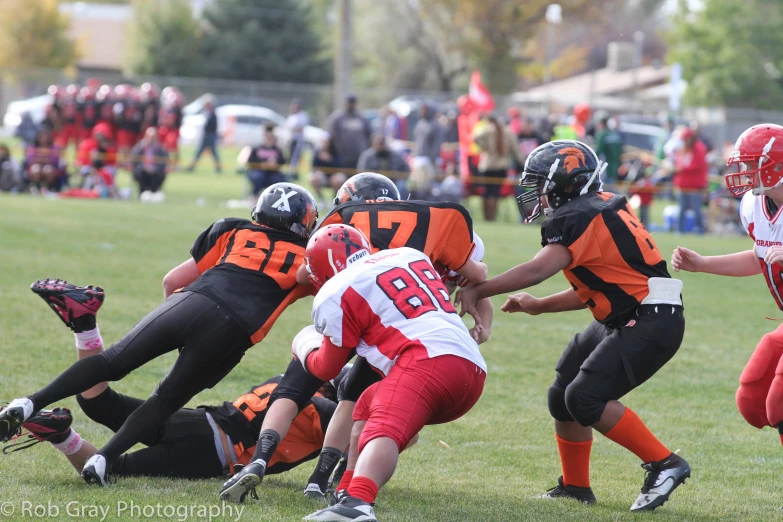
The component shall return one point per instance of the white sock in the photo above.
(89, 340)
(24, 403)
(70, 445)
(260, 461)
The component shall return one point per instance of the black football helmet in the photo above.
(285, 206)
(367, 186)
(560, 170)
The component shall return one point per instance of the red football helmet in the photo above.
(758, 155)
(331, 249)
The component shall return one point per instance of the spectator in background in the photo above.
(695, 126)
(427, 136)
(690, 178)
(52, 122)
(350, 134)
(10, 180)
(379, 158)
(98, 154)
(609, 147)
(529, 139)
(498, 144)
(44, 166)
(514, 120)
(324, 173)
(449, 127)
(209, 138)
(149, 161)
(387, 124)
(27, 130)
(295, 124)
(264, 162)
(645, 189)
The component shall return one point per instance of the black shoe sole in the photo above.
(238, 491)
(658, 502)
(9, 426)
(90, 477)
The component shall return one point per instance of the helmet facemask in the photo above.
(765, 176)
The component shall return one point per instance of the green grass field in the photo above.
(499, 457)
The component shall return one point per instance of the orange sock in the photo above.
(346, 480)
(363, 489)
(575, 460)
(631, 433)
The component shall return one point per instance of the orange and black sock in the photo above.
(575, 460)
(363, 489)
(631, 433)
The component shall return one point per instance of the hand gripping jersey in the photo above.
(251, 270)
(762, 226)
(613, 256)
(443, 231)
(242, 420)
(390, 302)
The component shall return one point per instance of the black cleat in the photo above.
(237, 488)
(313, 491)
(583, 495)
(76, 306)
(13, 416)
(663, 477)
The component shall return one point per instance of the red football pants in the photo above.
(760, 394)
(417, 393)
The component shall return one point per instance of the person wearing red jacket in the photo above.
(690, 178)
(97, 160)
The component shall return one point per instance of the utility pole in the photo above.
(343, 62)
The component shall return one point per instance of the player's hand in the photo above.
(685, 259)
(774, 255)
(522, 302)
(467, 298)
(479, 336)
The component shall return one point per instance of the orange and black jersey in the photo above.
(613, 255)
(442, 231)
(242, 420)
(250, 270)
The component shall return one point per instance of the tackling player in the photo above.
(206, 442)
(219, 303)
(393, 309)
(758, 155)
(616, 271)
(369, 201)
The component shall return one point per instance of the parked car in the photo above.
(242, 125)
(35, 106)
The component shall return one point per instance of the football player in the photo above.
(758, 156)
(219, 303)
(616, 271)
(370, 202)
(393, 309)
(205, 442)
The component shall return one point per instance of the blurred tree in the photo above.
(730, 60)
(264, 40)
(164, 39)
(33, 33)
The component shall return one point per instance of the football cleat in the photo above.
(40, 428)
(13, 416)
(76, 306)
(349, 509)
(96, 471)
(583, 495)
(336, 496)
(663, 477)
(245, 482)
(313, 491)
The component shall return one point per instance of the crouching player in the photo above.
(393, 309)
(758, 155)
(616, 271)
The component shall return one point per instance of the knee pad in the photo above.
(583, 405)
(557, 404)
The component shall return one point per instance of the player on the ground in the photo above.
(392, 308)
(616, 271)
(370, 201)
(205, 442)
(758, 155)
(219, 303)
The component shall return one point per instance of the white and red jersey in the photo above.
(766, 230)
(389, 302)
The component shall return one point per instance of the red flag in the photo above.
(479, 94)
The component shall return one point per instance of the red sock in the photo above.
(346, 480)
(363, 489)
(631, 433)
(575, 460)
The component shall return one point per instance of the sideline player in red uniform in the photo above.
(241, 277)
(758, 155)
(392, 308)
(616, 271)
